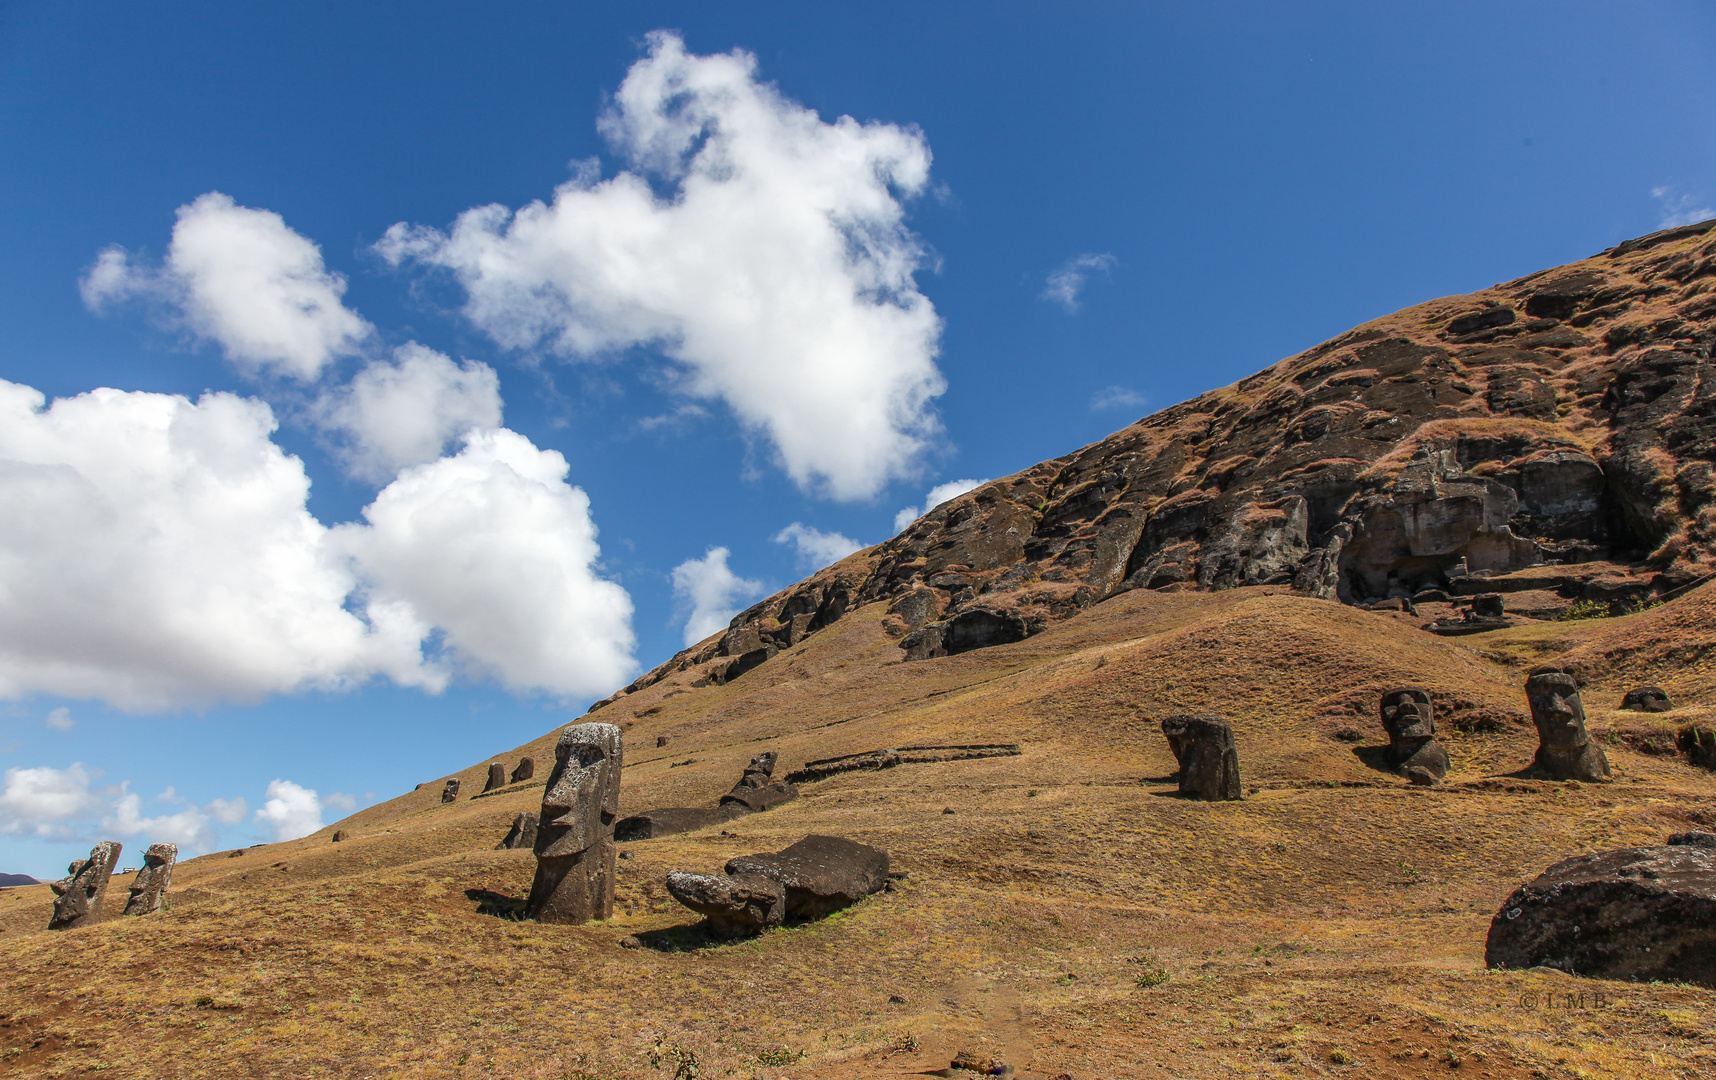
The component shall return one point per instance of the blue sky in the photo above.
(740, 315)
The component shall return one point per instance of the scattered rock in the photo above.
(574, 835)
(235, 853)
(82, 890)
(1565, 750)
(1647, 699)
(149, 888)
(526, 770)
(630, 942)
(1410, 720)
(947, 809)
(1208, 757)
(521, 835)
(497, 777)
(1693, 839)
(1420, 776)
(450, 793)
(895, 999)
(625, 854)
(813, 877)
(1643, 914)
(660, 741)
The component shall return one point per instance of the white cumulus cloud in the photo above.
(240, 277)
(710, 593)
(42, 801)
(495, 548)
(291, 811)
(158, 553)
(404, 413)
(817, 549)
(773, 264)
(1068, 280)
(67, 805)
(933, 498)
(1679, 209)
(1116, 397)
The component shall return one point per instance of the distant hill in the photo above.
(8, 880)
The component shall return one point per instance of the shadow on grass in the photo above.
(1375, 757)
(690, 937)
(500, 905)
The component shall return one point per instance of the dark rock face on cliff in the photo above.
(1566, 417)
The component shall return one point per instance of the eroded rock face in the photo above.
(81, 892)
(1409, 717)
(1645, 913)
(1209, 758)
(1568, 416)
(148, 889)
(496, 778)
(574, 834)
(1647, 699)
(526, 770)
(813, 877)
(1565, 750)
(521, 835)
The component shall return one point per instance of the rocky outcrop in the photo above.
(1566, 417)
(1642, 914)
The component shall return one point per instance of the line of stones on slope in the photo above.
(902, 755)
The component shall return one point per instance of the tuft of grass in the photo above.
(1584, 609)
(1149, 977)
(780, 1055)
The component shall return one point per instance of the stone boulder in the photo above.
(1642, 914)
(81, 892)
(149, 887)
(1698, 743)
(526, 770)
(1647, 699)
(653, 824)
(521, 835)
(815, 876)
(497, 777)
(1488, 605)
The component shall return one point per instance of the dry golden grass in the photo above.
(1332, 924)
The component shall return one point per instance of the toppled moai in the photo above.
(1564, 748)
(521, 835)
(813, 877)
(1643, 914)
(149, 887)
(1647, 699)
(756, 791)
(575, 831)
(80, 893)
(1208, 756)
(526, 769)
(496, 777)
(1410, 720)
(450, 793)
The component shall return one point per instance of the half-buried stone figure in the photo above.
(149, 888)
(1208, 756)
(1410, 720)
(575, 834)
(80, 893)
(1565, 750)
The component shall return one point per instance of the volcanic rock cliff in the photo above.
(1565, 417)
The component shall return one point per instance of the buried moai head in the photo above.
(79, 894)
(496, 777)
(525, 771)
(583, 793)
(1556, 709)
(1647, 699)
(1174, 730)
(1408, 714)
(1208, 756)
(450, 793)
(149, 888)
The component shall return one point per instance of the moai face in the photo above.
(1408, 714)
(583, 794)
(1557, 710)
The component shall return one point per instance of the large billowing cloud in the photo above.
(291, 811)
(241, 278)
(158, 552)
(771, 260)
(404, 413)
(710, 593)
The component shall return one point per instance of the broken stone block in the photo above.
(1647, 699)
(813, 877)
(149, 887)
(497, 777)
(758, 799)
(667, 821)
(450, 793)
(84, 887)
(1565, 750)
(574, 835)
(521, 835)
(525, 771)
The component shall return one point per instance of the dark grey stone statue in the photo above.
(80, 893)
(575, 834)
(1564, 748)
(1410, 720)
(149, 887)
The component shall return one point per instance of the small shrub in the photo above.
(780, 1055)
(1584, 609)
(1340, 1057)
(1151, 977)
(668, 1054)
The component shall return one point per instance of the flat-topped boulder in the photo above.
(652, 824)
(1642, 914)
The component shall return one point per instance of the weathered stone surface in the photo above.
(1646, 913)
(1208, 757)
(1409, 717)
(339, 835)
(521, 835)
(81, 892)
(905, 755)
(759, 772)
(736, 904)
(1565, 750)
(1693, 839)
(450, 793)
(149, 888)
(525, 770)
(758, 799)
(653, 824)
(1698, 743)
(1488, 605)
(1647, 699)
(574, 836)
(496, 778)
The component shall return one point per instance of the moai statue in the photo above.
(450, 793)
(1564, 748)
(84, 887)
(526, 769)
(521, 835)
(149, 887)
(1209, 760)
(575, 834)
(756, 789)
(1647, 699)
(1410, 721)
(497, 777)
(660, 741)
(1488, 605)
(759, 773)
